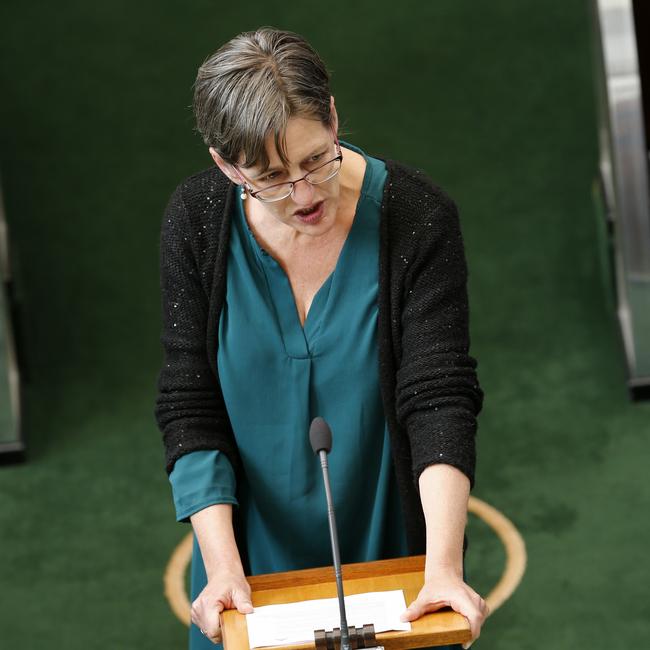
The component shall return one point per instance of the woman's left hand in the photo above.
(446, 589)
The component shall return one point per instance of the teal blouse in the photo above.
(276, 376)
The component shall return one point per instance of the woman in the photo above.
(302, 277)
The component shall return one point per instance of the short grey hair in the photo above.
(251, 86)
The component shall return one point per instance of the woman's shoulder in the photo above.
(415, 204)
(413, 185)
(198, 204)
(202, 190)
(194, 221)
(421, 232)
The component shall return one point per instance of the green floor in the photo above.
(495, 101)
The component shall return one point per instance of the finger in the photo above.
(464, 605)
(196, 614)
(211, 636)
(213, 633)
(419, 607)
(210, 624)
(412, 612)
(244, 607)
(242, 602)
(482, 606)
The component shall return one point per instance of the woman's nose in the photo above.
(303, 192)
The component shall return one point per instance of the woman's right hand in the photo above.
(225, 590)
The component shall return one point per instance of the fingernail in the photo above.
(466, 646)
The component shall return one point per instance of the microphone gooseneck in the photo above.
(320, 436)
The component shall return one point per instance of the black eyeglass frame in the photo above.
(254, 193)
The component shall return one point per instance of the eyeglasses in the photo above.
(280, 191)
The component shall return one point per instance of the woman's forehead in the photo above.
(301, 139)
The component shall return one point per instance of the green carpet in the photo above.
(495, 100)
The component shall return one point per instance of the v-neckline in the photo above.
(299, 337)
(308, 330)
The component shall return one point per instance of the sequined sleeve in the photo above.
(438, 396)
(189, 406)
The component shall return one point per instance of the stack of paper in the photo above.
(295, 622)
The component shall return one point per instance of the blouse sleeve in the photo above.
(199, 480)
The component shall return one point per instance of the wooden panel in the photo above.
(438, 628)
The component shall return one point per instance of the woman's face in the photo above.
(310, 209)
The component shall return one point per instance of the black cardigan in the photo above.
(428, 381)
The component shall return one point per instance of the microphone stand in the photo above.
(346, 638)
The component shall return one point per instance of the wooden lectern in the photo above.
(435, 629)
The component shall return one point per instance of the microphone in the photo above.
(320, 436)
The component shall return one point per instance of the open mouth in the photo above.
(312, 213)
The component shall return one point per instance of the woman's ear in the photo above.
(225, 167)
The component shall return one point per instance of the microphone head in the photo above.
(320, 435)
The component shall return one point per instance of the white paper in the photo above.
(295, 622)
